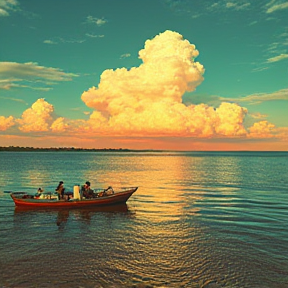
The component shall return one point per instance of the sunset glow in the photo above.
(153, 101)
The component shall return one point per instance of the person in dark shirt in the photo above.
(60, 190)
(87, 192)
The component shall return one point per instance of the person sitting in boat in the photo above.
(40, 190)
(86, 191)
(38, 194)
(60, 190)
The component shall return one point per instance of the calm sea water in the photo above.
(198, 219)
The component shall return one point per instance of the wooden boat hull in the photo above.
(116, 198)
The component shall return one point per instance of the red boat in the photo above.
(49, 199)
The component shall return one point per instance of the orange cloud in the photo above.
(262, 129)
(231, 118)
(282, 133)
(36, 118)
(147, 100)
(6, 122)
(59, 125)
(39, 118)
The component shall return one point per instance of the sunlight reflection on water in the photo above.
(195, 221)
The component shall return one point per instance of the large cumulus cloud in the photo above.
(168, 70)
(147, 100)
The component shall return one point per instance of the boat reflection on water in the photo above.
(62, 218)
(61, 215)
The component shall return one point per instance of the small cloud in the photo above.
(253, 23)
(258, 115)
(126, 55)
(50, 42)
(284, 34)
(260, 69)
(215, 7)
(94, 20)
(243, 6)
(260, 97)
(7, 6)
(37, 118)
(230, 4)
(222, 6)
(6, 122)
(195, 16)
(237, 6)
(14, 99)
(62, 40)
(273, 47)
(3, 12)
(59, 125)
(276, 7)
(21, 75)
(262, 129)
(79, 41)
(94, 35)
(277, 58)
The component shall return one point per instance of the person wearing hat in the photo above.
(87, 192)
(60, 190)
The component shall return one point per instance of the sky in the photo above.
(144, 74)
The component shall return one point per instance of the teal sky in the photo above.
(69, 44)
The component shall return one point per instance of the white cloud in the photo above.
(147, 100)
(62, 40)
(50, 42)
(168, 70)
(237, 5)
(3, 12)
(14, 74)
(126, 55)
(230, 4)
(7, 6)
(94, 35)
(95, 20)
(260, 97)
(277, 58)
(275, 7)
(221, 6)
(259, 69)
(14, 99)
(79, 41)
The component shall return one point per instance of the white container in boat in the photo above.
(76, 192)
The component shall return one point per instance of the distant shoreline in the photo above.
(73, 149)
(70, 149)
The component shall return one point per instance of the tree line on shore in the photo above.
(69, 149)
